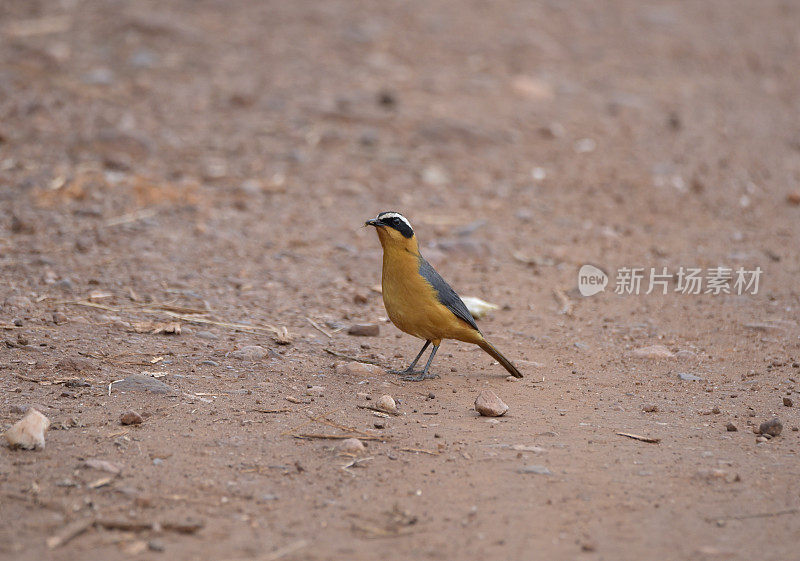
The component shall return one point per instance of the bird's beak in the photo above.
(372, 222)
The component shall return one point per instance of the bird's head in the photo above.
(394, 230)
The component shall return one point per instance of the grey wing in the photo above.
(447, 296)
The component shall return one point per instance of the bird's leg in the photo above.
(410, 369)
(424, 374)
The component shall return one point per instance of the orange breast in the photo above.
(412, 303)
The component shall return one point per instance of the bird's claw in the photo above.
(419, 377)
(406, 372)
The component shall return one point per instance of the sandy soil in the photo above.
(212, 161)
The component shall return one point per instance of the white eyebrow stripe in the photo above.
(395, 215)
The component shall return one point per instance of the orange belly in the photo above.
(413, 306)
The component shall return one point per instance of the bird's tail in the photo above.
(498, 356)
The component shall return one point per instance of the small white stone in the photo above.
(350, 446)
(478, 308)
(28, 433)
(387, 403)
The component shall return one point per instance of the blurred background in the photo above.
(290, 122)
(229, 147)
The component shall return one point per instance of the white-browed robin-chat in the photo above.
(419, 301)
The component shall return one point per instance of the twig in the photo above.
(129, 217)
(272, 329)
(178, 309)
(566, 305)
(319, 328)
(356, 462)
(188, 527)
(27, 379)
(111, 384)
(640, 438)
(757, 515)
(310, 420)
(338, 436)
(35, 499)
(325, 421)
(161, 309)
(269, 410)
(431, 452)
(69, 532)
(378, 409)
(353, 358)
(380, 532)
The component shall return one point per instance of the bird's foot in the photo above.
(419, 377)
(406, 372)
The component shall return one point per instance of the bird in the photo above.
(419, 301)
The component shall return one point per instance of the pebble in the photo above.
(730, 427)
(655, 351)
(773, 427)
(762, 439)
(379, 424)
(357, 369)
(317, 391)
(74, 364)
(689, 377)
(537, 470)
(210, 363)
(130, 418)
(103, 465)
(28, 433)
(156, 545)
(139, 383)
(18, 322)
(489, 405)
(787, 401)
(650, 408)
(351, 446)
(479, 308)
(250, 352)
(435, 176)
(387, 403)
(364, 330)
(207, 335)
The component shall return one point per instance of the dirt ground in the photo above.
(210, 163)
